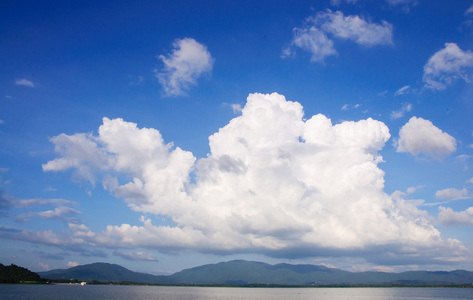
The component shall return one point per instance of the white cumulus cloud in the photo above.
(312, 37)
(183, 66)
(273, 183)
(449, 217)
(446, 66)
(452, 194)
(421, 137)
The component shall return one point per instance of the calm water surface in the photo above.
(201, 293)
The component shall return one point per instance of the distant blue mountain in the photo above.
(241, 272)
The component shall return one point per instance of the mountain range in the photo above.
(241, 272)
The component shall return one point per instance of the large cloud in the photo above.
(312, 37)
(272, 183)
(446, 66)
(187, 62)
(421, 137)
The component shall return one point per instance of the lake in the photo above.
(53, 292)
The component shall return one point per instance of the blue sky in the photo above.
(162, 136)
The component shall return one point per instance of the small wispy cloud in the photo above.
(236, 108)
(313, 40)
(469, 10)
(402, 195)
(406, 107)
(24, 82)
(405, 5)
(183, 66)
(463, 157)
(62, 213)
(414, 189)
(346, 107)
(20, 203)
(135, 80)
(403, 91)
(44, 266)
(135, 255)
(71, 264)
(50, 189)
(313, 36)
(446, 66)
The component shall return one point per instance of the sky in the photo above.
(164, 135)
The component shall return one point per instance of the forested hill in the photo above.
(16, 274)
(240, 272)
(102, 272)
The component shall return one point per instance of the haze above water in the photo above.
(188, 293)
